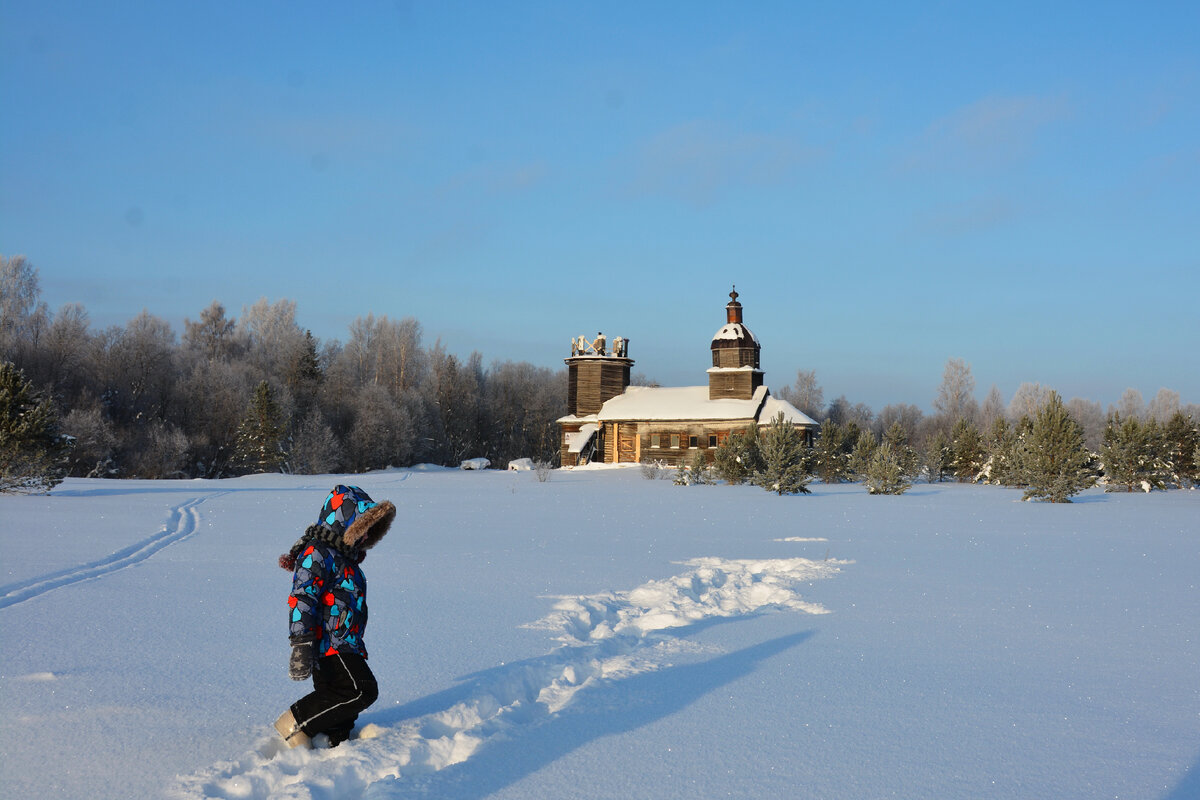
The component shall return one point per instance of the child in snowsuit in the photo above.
(329, 614)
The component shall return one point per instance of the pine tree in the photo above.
(830, 453)
(966, 451)
(1002, 465)
(1056, 463)
(996, 451)
(1157, 467)
(304, 377)
(784, 464)
(897, 439)
(937, 456)
(695, 471)
(1180, 440)
(864, 450)
(259, 445)
(699, 472)
(887, 473)
(1130, 453)
(32, 454)
(739, 458)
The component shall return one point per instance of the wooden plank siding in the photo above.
(592, 381)
(674, 456)
(729, 354)
(627, 446)
(739, 385)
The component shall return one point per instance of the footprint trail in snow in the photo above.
(604, 637)
(182, 522)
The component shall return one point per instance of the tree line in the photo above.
(252, 393)
(258, 394)
(1037, 442)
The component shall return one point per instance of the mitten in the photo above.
(300, 665)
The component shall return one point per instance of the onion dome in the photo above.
(734, 345)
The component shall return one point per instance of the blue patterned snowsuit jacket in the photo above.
(328, 601)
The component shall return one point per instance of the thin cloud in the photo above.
(993, 131)
(698, 161)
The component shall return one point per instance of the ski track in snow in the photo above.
(182, 522)
(604, 638)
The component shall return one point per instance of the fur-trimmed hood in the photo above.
(350, 520)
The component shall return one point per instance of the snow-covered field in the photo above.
(600, 635)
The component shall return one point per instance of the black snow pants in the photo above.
(342, 687)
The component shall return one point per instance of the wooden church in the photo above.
(612, 422)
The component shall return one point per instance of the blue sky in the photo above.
(888, 185)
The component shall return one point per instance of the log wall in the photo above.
(739, 385)
(593, 380)
(730, 354)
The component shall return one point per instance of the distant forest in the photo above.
(258, 393)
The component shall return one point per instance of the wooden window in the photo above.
(675, 440)
(656, 440)
(712, 440)
(693, 441)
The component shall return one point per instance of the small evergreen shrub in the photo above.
(937, 457)
(966, 451)
(887, 472)
(864, 451)
(739, 458)
(1055, 462)
(785, 468)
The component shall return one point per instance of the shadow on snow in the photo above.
(609, 709)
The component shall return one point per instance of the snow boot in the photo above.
(290, 731)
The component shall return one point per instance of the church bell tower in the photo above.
(735, 371)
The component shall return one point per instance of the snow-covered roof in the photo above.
(571, 419)
(651, 403)
(735, 330)
(577, 441)
(678, 403)
(791, 414)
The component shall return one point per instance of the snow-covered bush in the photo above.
(886, 474)
(654, 470)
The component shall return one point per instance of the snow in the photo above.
(571, 419)
(604, 636)
(579, 440)
(678, 403)
(692, 403)
(735, 330)
(773, 407)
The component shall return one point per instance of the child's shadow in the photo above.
(605, 710)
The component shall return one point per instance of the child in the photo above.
(329, 614)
